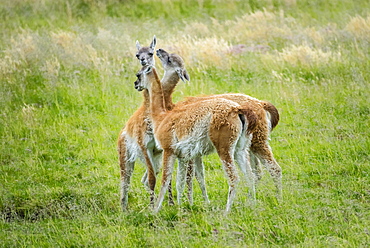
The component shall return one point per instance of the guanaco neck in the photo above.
(146, 100)
(157, 105)
(169, 83)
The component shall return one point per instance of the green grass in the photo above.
(66, 89)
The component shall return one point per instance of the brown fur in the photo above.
(274, 114)
(252, 120)
(224, 129)
(262, 126)
(139, 130)
(259, 145)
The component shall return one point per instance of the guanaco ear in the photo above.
(148, 69)
(186, 75)
(181, 73)
(138, 46)
(154, 42)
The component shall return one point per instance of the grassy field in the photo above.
(66, 89)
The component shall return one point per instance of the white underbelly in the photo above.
(197, 143)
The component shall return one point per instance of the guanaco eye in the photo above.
(137, 56)
(150, 54)
(169, 60)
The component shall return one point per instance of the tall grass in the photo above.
(66, 89)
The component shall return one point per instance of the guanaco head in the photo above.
(145, 54)
(140, 83)
(173, 63)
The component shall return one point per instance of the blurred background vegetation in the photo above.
(66, 89)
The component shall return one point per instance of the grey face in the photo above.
(137, 83)
(163, 56)
(140, 81)
(145, 54)
(173, 62)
